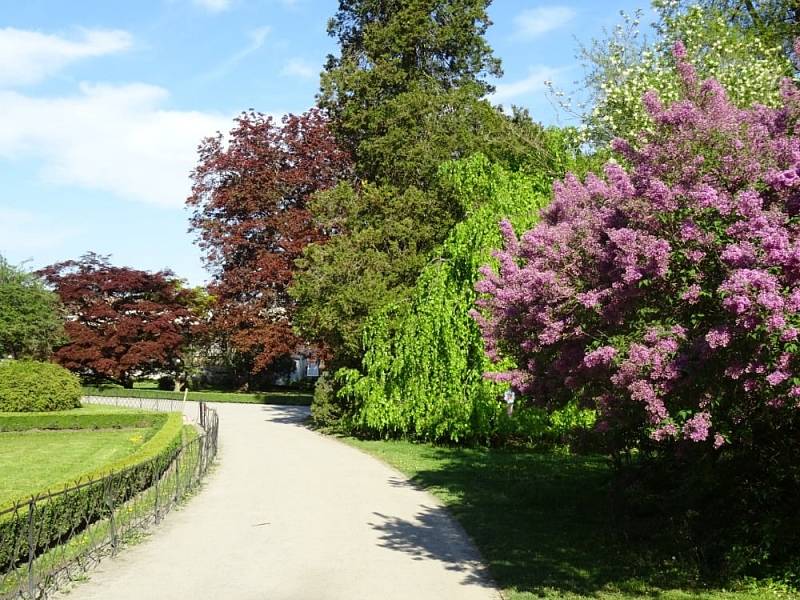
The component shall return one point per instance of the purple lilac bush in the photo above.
(666, 294)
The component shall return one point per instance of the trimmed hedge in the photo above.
(72, 419)
(65, 514)
(288, 398)
(33, 386)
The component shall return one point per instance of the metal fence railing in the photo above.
(48, 540)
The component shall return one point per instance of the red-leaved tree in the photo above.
(249, 197)
(121, 322)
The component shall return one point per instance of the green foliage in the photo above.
(30, 315)
(31, 386)
(385, 237)
(623, 67)
(81, 419)
(777, 22)
(403, 92)
(326, 410)
(424, 364)
(68, 512)
(166, 383)
(287, 397)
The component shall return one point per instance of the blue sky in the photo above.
(103, 103)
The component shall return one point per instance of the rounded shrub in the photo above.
(32, 386)
(166, 383)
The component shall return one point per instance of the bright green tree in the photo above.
(30, 315)
(423, 371)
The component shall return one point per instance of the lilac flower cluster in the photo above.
(668, 292)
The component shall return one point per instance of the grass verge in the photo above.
(33, 461)
(540, 523)
(292, 398)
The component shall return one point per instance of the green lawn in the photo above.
(540, 522)
(31, 461)
(288, 397)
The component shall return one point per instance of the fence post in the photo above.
(31, 547)
(155, 485)
(177, 476)
(112, 520)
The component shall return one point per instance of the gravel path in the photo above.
(291, 514)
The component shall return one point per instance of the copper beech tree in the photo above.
(121, 322)
(250, 193)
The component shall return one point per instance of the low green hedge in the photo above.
(289, 397)
(74, 419)
(69, 513)
(32, 386)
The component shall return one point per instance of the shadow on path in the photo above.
(287, 415)
(432, 535)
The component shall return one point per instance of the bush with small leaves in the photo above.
(32, 386)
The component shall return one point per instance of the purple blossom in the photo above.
(719, 337)
(696, 429)
(601, 357)
(777, 377)
(692, 294)
(613, 274)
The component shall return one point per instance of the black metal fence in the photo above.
(50, 539)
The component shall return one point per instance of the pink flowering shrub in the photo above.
(667, 293)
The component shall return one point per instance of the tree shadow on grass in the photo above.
(542, 522)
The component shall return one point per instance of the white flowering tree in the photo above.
(625, 65)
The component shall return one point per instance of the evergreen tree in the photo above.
(405, 94)
(403, 66)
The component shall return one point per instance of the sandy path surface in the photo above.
(291, 514)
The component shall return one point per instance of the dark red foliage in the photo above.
(249, 195)
(121, 322)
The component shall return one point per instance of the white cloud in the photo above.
(534, 82)
(214, 6)
(27, 57)
(116, 139)
(257, 38)
(297, 67)
(24, 231)
(542, 19)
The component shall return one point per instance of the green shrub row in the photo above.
(284, 397)
(76, 420)
(32, 386)
(59, 517)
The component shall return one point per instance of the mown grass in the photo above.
(542, 525)
(69, 557)
(32, 461)
(288, 397)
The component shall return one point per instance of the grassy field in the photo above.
(288, 397)
(540, 523)
(31, 461)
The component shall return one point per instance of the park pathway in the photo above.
(289, 514)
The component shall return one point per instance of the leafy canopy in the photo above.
(721, 42)
(422, 375)
(30, 315)
(121, 322)
(250, 199)
(402, 67)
